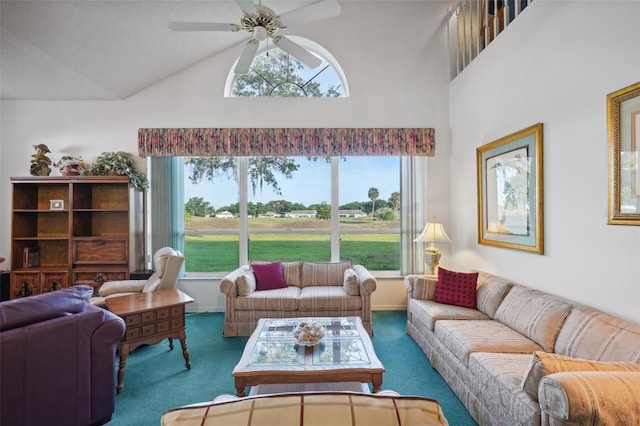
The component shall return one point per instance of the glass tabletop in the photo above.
(275, 346)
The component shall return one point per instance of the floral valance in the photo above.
(286, 141)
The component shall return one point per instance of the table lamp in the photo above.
(433, 233)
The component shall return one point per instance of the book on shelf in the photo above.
(30, 257)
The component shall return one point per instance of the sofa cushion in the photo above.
(429, 312)
(592, 334)
(465, 337)
(350, 283)
(269, 276)
(280, 299)
(542, 364)
(497, 381)
(29, 310)
(246, 283)
(535, 314)
(456, 288)
(292, 273)
(491, 292)
(327, 298)
(324, 273)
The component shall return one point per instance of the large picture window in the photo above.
(239, 209)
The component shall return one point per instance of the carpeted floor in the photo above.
(157, 380)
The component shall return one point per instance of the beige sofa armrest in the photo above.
(590, 397)
(124, 286)
(366, 280)
(420, 287)
(228, 285)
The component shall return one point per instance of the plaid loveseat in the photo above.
(525, 357)
(313, 289)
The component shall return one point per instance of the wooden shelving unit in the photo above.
(87, 230)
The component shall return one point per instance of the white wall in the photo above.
(397, 78)
(555, 65)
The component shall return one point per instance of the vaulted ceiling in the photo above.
(108, 49)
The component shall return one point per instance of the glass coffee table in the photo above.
(272, 356)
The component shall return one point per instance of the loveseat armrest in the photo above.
(420, 287)
(590, 397)
(366, 280)
(228, 284)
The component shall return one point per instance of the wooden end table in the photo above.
(150, 318)
(271, 355)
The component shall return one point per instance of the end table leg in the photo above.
(185, 350)
(124, 353)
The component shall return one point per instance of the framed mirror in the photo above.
(623, 132)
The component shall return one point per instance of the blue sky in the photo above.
(311, 183)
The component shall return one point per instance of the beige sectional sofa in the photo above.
(313, 289)
(525, 357)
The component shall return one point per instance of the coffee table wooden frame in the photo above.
(252, 376)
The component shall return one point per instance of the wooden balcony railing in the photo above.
(473, 24)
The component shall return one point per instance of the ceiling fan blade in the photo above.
(247, 6)
(201, 26)
(297, 51)
(246, 57)
(314, 12)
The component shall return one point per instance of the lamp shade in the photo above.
(433, 232)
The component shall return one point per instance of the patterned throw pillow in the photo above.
(456, 288)
(350, 284)
(269, 276)
(543, 363)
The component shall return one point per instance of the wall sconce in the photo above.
(433, 233)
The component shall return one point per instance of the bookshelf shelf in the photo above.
(85, 229)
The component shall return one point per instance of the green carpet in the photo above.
(157, 380)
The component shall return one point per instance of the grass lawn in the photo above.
(208, 252)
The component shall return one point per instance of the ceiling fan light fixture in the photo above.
(259, 33)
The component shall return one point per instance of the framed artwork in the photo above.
(623, 131)
(510, 208)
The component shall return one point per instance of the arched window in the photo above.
(276, 73)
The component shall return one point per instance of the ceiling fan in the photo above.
(263, 23)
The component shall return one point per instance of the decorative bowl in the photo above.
(308, 333)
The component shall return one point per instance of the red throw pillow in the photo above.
(269, 275)
(456, 288)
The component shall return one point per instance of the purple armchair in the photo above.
(58, 359)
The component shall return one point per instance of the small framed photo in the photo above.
(56, 205)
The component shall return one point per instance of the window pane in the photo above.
(211, 213)
(370, 211)
(206, 253)
(377, 252)
(290, 247)
(295, 206)
(211, 194)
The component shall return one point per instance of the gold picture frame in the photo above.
(510, 202)
(623, 134)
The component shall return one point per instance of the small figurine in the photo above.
(40, 162)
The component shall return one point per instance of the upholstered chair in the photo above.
(167, 262)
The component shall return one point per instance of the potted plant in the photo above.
(118, 163)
